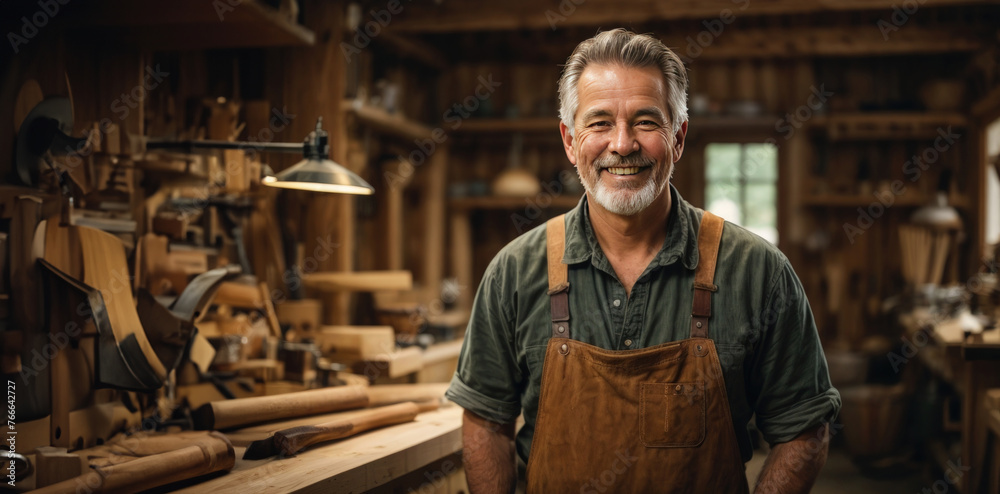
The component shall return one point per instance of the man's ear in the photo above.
(567, 140)
(679, 141)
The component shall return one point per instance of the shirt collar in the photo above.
(681, 242)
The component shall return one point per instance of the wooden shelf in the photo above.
(192, 24)
(846, 201)
(886, 125)
(852, 201)
(551, 124)
(729, 122)
(488, 125)
(508, 203)
(385, 122)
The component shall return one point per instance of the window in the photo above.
(741, 185)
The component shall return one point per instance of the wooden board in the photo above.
(354, 464)
(396, 364)
(356, 342)
(359, 281)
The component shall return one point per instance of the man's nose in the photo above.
(623, 140)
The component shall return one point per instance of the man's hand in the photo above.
(488, 455)
(792, 467)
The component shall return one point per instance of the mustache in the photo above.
(611, 160)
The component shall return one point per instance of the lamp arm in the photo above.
(190, 146)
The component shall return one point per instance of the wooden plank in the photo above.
(392, 365)
(434, 215)
(356, 342)
(55, 465)
(359, 281)
(440, 362)
(354, 464)
(461, 254)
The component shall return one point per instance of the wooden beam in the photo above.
(553, 14)
(829, 42)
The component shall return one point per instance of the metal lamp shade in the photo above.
(320, 176)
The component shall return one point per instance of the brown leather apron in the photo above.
(648, 420)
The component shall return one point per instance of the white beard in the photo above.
(623, 201)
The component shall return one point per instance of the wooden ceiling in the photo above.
(458, 16)
(540, 30)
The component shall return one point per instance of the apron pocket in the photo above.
(673, 414)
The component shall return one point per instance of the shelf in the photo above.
(852, 201)
(886, 125)
(551, 124)
(729, 122)
(385, 122)
(192, 24)
(508, 203)
(488, 125)
(845, 201)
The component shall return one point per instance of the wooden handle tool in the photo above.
(290, 441)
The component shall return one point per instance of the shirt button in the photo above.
(617, 302)
(628, 342)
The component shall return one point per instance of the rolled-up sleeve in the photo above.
(486, 381)
(789, 380)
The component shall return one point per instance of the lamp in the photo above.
(315, 173)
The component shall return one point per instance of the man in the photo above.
(638, 334)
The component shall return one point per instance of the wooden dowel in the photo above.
(227, 414)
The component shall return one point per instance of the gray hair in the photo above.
(627, 49)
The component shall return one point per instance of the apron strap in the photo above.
(555, 241)
(708, 253)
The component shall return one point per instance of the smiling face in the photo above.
(622, 144)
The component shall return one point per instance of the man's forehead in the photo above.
(601, 82)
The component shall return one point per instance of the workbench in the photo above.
(424, 450)
(971, 368)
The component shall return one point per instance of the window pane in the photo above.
(760, 162)
(723, 199)
(762, 211)
(722, 161)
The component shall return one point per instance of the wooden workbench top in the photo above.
(355, 464)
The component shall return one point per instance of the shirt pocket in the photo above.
(672, 414)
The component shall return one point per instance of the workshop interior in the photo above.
(241, 239)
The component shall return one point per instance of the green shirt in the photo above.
(762, 326)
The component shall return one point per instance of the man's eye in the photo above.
(648, 123)
(600, 124)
